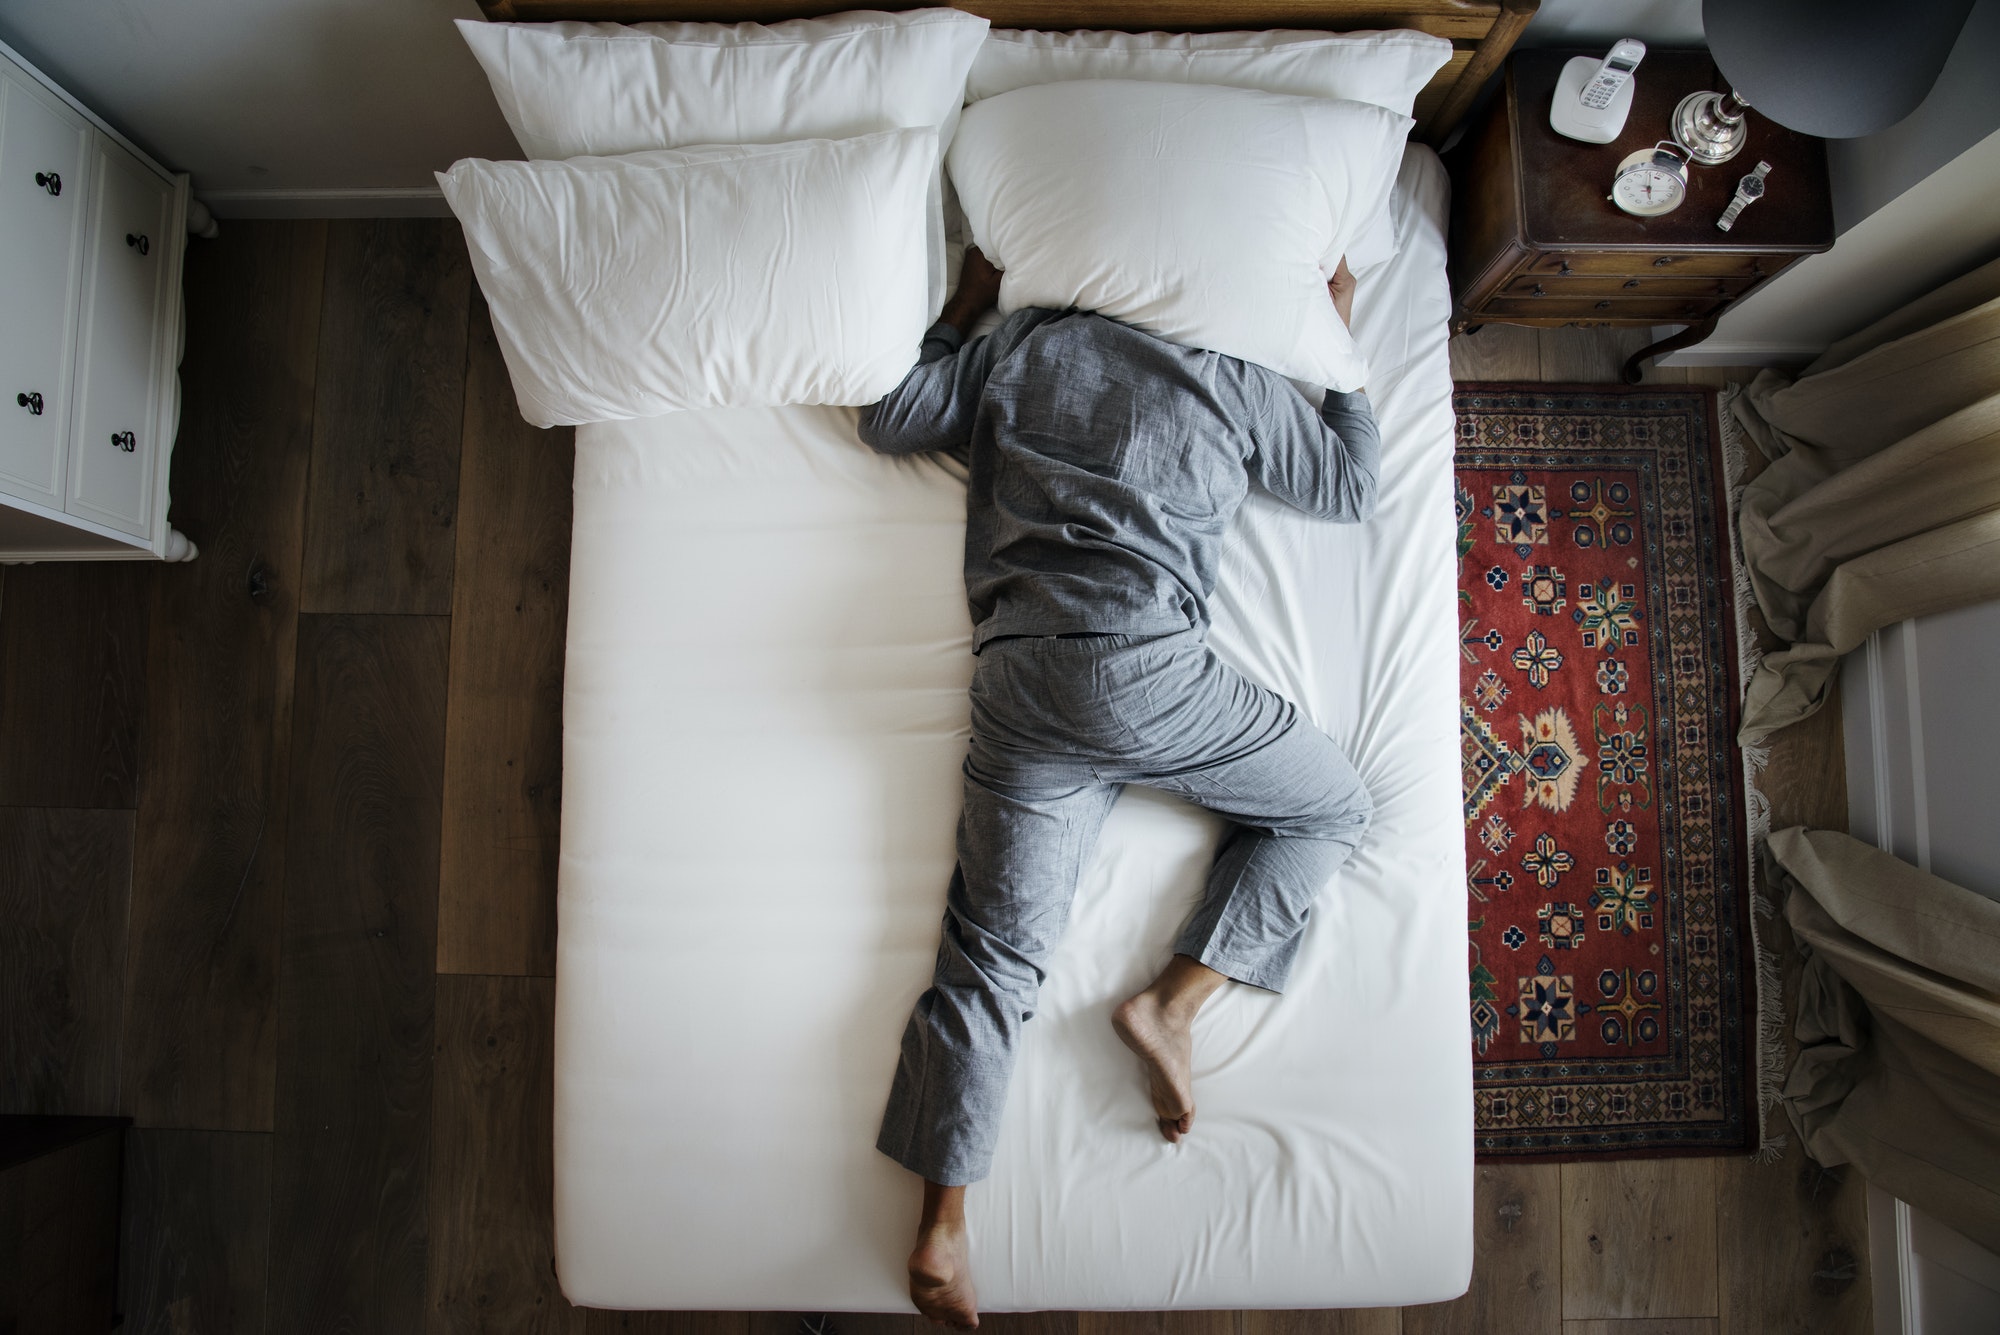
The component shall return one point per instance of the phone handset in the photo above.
(1614, 73)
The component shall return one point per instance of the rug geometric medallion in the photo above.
(1612, 977)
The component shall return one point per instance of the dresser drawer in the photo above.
(44, 184)
(1642, 310)
(1639, 264)
(120, 359)
(1558, 287)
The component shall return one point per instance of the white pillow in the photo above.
(569, 89)
(1388, 69)
(1209, 216)
(700, 278)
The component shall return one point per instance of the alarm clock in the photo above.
(1651, 181)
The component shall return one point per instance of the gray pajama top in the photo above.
(1107, 463)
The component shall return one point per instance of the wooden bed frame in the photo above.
(1481, 31)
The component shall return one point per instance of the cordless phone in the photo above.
(1613, 73)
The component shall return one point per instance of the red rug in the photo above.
(1612, 971)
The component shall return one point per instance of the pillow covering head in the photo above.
(1388, 69)
(729, 276)
(571, 89)
(1211, 217)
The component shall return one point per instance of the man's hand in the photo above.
(1341, 288)
(978, 290)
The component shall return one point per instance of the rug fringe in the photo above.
(1770, 1061)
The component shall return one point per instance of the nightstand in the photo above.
(1536, 241)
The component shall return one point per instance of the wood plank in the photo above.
(355, 981)
(1588, 356)
(201, 1022)
(1466, 19)
(1516, 1275)
(1690, 1325)
(492, 1183)
(1502, 352)
(1159, 1323)
(65, 881)
(1024, 1323)
(197, 1231)
(1795, 1259)
(1352, 1321)
(384, 491)
(73, 683)
(1638, 1239)
(503, 738)
(602, 1321)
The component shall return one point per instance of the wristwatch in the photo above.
(1748, 191)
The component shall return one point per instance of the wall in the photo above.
(1599, 23)
(309, 107)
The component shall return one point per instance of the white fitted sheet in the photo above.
(764, 716)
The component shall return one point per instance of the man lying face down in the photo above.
(1106, 465)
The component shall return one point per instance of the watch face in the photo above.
(1647, 191)
(1751, 186)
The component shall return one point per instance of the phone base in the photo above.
(1567, 114)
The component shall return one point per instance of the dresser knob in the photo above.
(138, 243)
(1539, 291)
(1565, 270)
(125, 441)
(1631, 282)
(49, 181)
(1663, 261)
(1603, 305)
(32, 402)
(1756, 268)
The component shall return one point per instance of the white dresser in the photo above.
(91, 235)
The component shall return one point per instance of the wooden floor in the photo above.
(277, 858)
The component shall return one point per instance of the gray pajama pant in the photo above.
(1059, 726)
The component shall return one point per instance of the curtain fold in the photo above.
(1898, 1022)
(1883, 498)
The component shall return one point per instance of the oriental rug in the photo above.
(1613, 972)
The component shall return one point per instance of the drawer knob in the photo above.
(1539, 291)
(1663, 261)
(1631, 282)
(138, 243)
(125, 441)
(1564, 270)
(32, 402)
(49, 181)
(1603, 305)
(1756, 268)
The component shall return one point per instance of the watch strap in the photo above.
(1736, 206)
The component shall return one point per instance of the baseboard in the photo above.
(1734, 352)
(419, 202)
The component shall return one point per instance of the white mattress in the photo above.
(764, 717)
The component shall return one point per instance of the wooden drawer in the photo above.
(1556, 286)
(1648, 310)
(1634, 264)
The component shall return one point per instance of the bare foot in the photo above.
(941, 1277)
(1165, 1042)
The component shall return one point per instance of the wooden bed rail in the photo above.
(1481, 31)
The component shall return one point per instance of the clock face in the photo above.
(1647, 191)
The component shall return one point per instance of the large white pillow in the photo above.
(1209, 216)
(701, 278)
(1386, 68)
(570, 89)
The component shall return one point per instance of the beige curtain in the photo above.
(1898, 1024)
(1883, 500)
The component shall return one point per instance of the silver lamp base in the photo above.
(1711, 127)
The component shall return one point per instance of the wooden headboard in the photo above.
(1481, 31)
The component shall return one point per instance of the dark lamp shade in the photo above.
(1835, 68)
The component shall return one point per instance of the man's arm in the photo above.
(1326, 463)
(934, 406)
